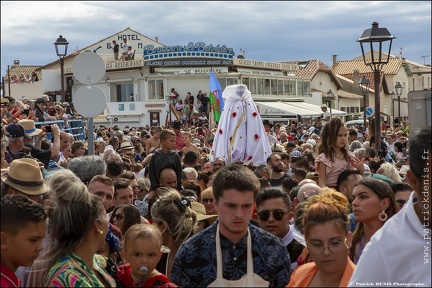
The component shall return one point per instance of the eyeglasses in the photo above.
(277, 215)
(317, 247)
(207, 200)
(401, 202)
(118, 216)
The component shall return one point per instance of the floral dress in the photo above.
(71, 271)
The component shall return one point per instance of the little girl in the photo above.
(142, 251)
(334, 156)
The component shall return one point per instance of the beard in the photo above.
(277, 169)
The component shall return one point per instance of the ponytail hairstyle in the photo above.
(73, 214)
(178, 218)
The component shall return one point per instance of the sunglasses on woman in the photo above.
(277, 215)
(205, 200)
(118, 216)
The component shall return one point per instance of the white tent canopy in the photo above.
(292, 110)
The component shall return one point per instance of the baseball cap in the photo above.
(14, 130)
(295, 154)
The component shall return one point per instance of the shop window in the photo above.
(156, 89)
(232, 81)
(267, 86)
(245, 81)
(280, 84)
(253, 86)
(274, 87)
(260, 90)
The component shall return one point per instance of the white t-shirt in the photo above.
(325, 115)
(398, 254)
(125, 47)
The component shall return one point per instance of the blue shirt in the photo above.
(195, 261)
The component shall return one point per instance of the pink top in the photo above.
(333, 169)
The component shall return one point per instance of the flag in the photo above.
(215, 95)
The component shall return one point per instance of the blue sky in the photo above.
(266, 30)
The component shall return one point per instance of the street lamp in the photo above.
(398, 88)
(61, 46)
(364, 88)
(375, 37)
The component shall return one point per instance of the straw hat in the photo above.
(29, 127)
(126, 146)
(200, 211)
(25, 175)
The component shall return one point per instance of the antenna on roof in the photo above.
(400, 52)
(424, 58)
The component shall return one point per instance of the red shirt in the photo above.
(8, 278)
(124, 277)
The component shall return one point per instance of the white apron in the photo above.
(248, 280)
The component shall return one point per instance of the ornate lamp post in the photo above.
(61, 46)
(375, 37)
(398, 90)
(364, 86)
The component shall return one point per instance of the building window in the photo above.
(267, 85)
(253, 85)
(245, 81)
(303, 88)
(280, 84)
(156, 89)
(231, 81)
(260, 86)
(124, 91)
(274, 87)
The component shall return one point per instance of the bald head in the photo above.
(168, 178)
(308, 190)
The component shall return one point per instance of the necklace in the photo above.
(340, 156)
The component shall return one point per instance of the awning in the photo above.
(274, 110)
(292, 110)
(316, 108)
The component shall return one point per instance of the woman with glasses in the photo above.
(207, 199)
(325, 227)
(124, 216)
(374, 203)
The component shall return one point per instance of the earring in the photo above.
(383, 216)
(100, 232)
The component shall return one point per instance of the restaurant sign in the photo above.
(191, 54)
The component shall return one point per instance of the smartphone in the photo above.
(48, 128)
(26, 112)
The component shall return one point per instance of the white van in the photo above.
(358, 122)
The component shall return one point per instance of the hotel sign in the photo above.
(268, 65)
(192, 54)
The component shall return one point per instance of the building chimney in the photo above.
(157, 38)
(334, 60)
(356, 77)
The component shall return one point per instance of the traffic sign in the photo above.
(369, 111)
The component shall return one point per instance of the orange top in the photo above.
(303, 275)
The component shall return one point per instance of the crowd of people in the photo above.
(22, 78)
(152, 208)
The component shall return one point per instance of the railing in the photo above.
(72, 126)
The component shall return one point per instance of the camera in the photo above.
(48, 128)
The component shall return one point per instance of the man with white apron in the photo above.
(232, 252)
